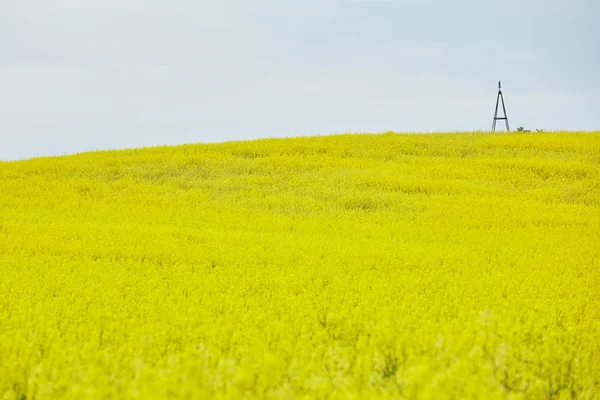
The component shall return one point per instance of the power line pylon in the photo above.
(496, 117)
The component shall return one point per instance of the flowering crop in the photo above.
(352, 266)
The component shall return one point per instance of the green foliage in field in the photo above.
(354, 266)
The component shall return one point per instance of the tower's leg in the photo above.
(496, 113)
(505, 116)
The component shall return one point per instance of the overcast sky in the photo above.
(79, 75)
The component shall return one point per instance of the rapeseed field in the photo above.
(441, 266)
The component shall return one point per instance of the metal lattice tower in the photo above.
(496, 117)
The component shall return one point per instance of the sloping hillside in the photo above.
(416, 266)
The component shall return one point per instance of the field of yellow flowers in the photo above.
(441, 266)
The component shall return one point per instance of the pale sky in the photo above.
(79, 75)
